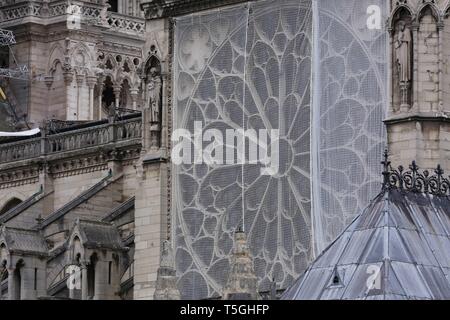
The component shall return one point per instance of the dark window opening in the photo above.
(4, 57)
(108, 96)
(336, 281)
(10, 204)
(114, 5)
(91, 276)
(17, 280)
(109, 272)
(35, 278)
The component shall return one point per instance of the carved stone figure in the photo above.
(403, 46)
(167, 255)
(403, 52)
(166, 280)
(103, 17)
(154, 96)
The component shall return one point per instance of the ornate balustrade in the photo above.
(128, 130)
(79, 139)
(90, 13)
(20, 10)
(126, 24)
(21, 150)
(73, 140)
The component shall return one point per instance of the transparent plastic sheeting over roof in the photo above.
(396, 249)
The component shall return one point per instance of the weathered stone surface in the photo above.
(242, 281)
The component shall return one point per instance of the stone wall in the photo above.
(421, 131)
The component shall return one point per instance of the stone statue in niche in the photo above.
(403, 62)
(153, 106)
(154, 96)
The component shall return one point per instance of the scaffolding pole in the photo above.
(21, 71)
(7, 38)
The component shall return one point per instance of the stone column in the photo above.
(41, 286)
(120, 6)
(101, 278)
(146, 127)
(84, 281)
(100, 86)
(68, 79)
(117, 89)
(134, 96)
(27, 277)
(166, 100)
(415, 52)
(91, 81)
(11, 284)
(80, 79)
(440, 28)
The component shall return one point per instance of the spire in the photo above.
(166, 281)
(242, 281)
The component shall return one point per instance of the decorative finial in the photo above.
(410, 179)
(386, 165)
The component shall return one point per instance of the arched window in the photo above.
(9, 205)
(91, 275)
(108, 96)
(125, 95)
(17, 280)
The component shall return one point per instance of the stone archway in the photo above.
(13, 202)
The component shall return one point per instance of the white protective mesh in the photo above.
(267, 43)
(350, 83)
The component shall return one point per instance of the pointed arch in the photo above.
(81, 48)
(110, 59)
(446, 11)
(152, 61)
(402, 11)
(56, 54)
(10, 204)
(12, 194)
(426, 8)
(130, 64)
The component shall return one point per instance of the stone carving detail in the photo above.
(19, 177)
(153, 102)
(97, 139)
(166, 281)
(92, 13)
(154, 96)
(403, 64)
(412, 179)
(242, 282)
